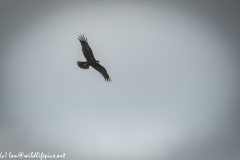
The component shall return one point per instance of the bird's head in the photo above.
(97, 61)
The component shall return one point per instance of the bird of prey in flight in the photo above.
(91, 61)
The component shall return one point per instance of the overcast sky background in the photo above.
(175, 76)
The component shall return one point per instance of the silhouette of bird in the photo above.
(91, 61)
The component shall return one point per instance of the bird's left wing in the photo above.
(102, 70)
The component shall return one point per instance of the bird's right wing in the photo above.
(102, 70)
(87, 51)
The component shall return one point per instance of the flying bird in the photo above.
(91, 61)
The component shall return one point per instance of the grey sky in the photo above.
(174, 67)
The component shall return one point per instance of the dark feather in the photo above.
(86, 49)
(102, 70)
(83, 65)
(91, 61)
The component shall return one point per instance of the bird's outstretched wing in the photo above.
(102, 70)
(87, 51)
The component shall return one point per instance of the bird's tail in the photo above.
(83, 65)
